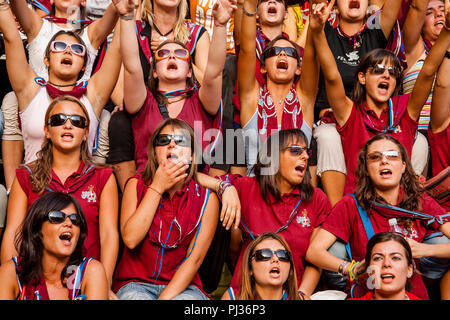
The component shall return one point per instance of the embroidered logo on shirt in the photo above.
(351, 58)
(90, 194)
(304, 219)
(412, 233)
(398, 129)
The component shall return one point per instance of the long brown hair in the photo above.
(152, 162)
(365, 191)
(41, 168)
(247, 290)
(268, 161)
(368, 61)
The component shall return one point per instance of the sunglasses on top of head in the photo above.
(267, 254)
(60, 119)
(297, 150)
(275, 51)
(179, 53)
(379, 69)
(165, 139)
(61, 46)
(57, 217)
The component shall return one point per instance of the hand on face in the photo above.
(169, 173)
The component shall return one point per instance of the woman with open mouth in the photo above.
(279, 198)
(268, 273)
(388, 197)
(66, 59)
(167, 221)
(286, 101)
(375, 106)
(51, 264)
(64, 164)
(172, 91)
(390, 265)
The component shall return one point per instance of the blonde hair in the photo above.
(180, 29)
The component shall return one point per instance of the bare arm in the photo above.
(29, 20)
(210, 92)
(108, 226)
(19, 71)
(388, 16)
(425, 79)
(201, 57)
(9, 290)
(103, 82)
(339, 102)
(99, 30)
(318, 254)
(238, 22)
(17, 209)
(248, 86)
(440, 106)
(95, 285)
(412, 29)
(186, 272)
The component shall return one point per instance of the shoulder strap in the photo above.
(16, 266)
(366, 223)
(163, 110)
(231, 293)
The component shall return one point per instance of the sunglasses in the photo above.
(379, 69)
(61, 46)
(60, 119)
(376, 156)
(267, 254)
(297, 150)
(180, 53)
(59, 217)
(165, 139)
(275, 51)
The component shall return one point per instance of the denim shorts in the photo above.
(149, 291)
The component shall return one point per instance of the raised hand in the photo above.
(124, 7)
(223, 10)
(319, 14)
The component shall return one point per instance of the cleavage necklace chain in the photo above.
(162, 36)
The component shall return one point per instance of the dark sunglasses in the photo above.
(267, 254)
(60, 119)
(275, 51)
(381, 69)
(376, 156)
(297, 150)
(59, 217)
(165, 139)
(61, 46)
(180, 53)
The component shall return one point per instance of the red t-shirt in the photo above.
(259, 217)
(354, 133)
(369, 296)
(85, 185)
(345, 223)
(440, 150)
(149, 117)
(149, 262)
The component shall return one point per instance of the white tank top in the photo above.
(36, 50)
(33, 117)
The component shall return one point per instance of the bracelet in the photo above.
(248, 14)
(222, 187)
(151, 188)
(352, 275)
(219, 25)
(343, 266)
(128, 16)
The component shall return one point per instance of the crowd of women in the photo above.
(292, 143)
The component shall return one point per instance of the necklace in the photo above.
(162, 37)
(61, 85)
(183, 96)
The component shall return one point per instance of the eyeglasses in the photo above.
(59, 217)
(275, 51)
(59, 119)
(380, 69)
(165, 139)
(297, 150)
(267, 254)
(376, 156)
(61, 46)
(180, 53)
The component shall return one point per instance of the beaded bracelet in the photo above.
(249, 14)
(353, 276)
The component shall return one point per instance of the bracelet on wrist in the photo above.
(151, 188)
(353, 276)
(249, 14)
(128, 16)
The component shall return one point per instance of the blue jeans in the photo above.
(149, 291)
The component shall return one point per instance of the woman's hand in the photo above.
(231, 208)
(168, 174)
(223, 10)
(319, 14)
(124, 7)
(419, 250)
